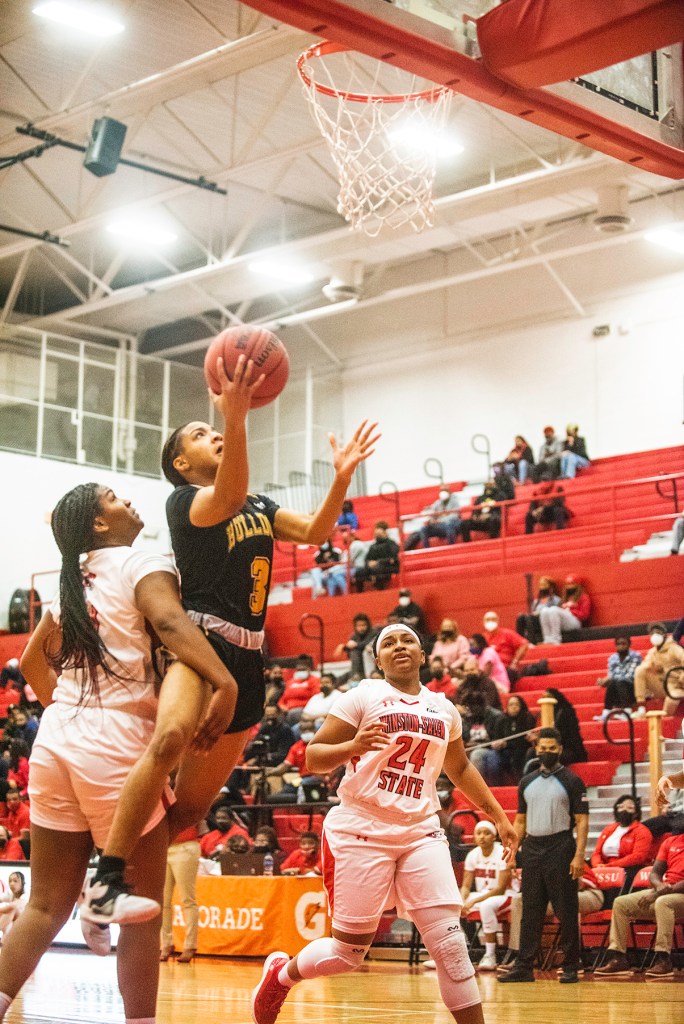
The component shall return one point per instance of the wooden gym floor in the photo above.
(75, 987)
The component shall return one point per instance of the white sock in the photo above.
(284, 978)
(5, 1002)
(490, 948)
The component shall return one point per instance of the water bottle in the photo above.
(268, 864)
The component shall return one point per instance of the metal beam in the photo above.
(15, 287)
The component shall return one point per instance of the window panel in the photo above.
(59, 435)
(97, 442)
(18, 426)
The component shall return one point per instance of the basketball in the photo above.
(256, 343)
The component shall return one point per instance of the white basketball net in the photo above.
(384, 144)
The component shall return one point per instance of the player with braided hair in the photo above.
(90, 664)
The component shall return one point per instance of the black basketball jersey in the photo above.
(225, 570)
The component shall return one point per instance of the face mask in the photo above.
(326, 690)
(475, 651)
(404, 601)
(625, 818)
(261, 847)
(444, 495)
(436, 673)
(443, 794)
(657, 639)
(222, 826)
(491, 624)
(447, 634)
(548, 760)
(544, 591)
(306, 737)
(301, 674)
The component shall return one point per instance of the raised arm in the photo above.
(303, 529)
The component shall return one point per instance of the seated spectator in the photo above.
(626, 842)
(16, 819)
(348, 518)
(307, 859)
(677, 536)
(318, 706)
(565, 720)
(442, 520)
(303, 684)
(548, 463)
(18, 766)
(662, 903)
(547, 506)
(619, 682)
(329, 575)
(10, 688)
(13, 903)
(489, 662)
(479, 726)
(574, 456)
(509, 645)
(382, 560)
(486, 514)
(409, 613)
(21, 726)
(273, 740)
(266, 840)
(513, 753)
(358, 647)
(440, 680)
(649, 677)
(519, 460)
(215, 841)
(295, 763)
(451, 646)
(486, 887)
(547, 597)
(238, 844)
(505, 488)
(572, 613)
(275, 684)
(356, 552)
(475, 681)
(9, 848)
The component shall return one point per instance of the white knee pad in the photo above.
(325, 957)
(446, 945)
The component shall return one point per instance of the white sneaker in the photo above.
(110, 902)
(487, 963)
(430, 964)
(640, 712)
(97, 936)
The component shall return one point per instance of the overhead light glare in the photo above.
(82, 17)
(667, 237)
(417, 137)
(144, 234)
(306, 315)
(281, 273)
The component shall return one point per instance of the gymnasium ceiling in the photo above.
(208, 87)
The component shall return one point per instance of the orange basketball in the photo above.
(261, 346)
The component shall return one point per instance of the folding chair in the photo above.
(597, 924)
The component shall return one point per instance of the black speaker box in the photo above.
(104, 149)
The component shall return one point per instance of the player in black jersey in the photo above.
(222, 539)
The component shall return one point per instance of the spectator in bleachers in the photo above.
(505, 488)
(520, 459)
(275, 684)
(18, 765)
(21, 726)
(295, 763)
(307, 859)
(440, 680)
(356, 552)
(475, 681)
(273, 740)
(574, 455)
(358, 644)
(509, 645)
(486, 887)
(238, 844)
(450, 644)
(662, 903)
(13, 903)
(408, 612)
(649, 677)
(16, 818)
(318, 706)
(626, 842)
(299, 688)
(10, 688)
(348, 518)
(382, 560)
(572, 613)
(619, 682)
(486, 514)
(266, 840)
(677, 534)
(214, 842)
(479, 726)
(547, 597)
(513, 753)
(443, 520)
(547, 506)
(329, 574)
(9, 848)
(565, 720)
(547, 466)
(489, 662)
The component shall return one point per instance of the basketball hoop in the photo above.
(384, 144)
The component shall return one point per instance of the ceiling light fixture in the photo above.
(143, 234)
(667, 237)
(411, 136)
(84, 18)
(283, 274)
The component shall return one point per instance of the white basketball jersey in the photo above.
(397, 783)
(485, 869)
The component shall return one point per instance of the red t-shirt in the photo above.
(212, 840)
(12, 851)
(581, 608)
(304, 861)
(188, 835)
(505, 642)
(298, 691)
(15, 819)
(445, 685)
(8, 697)
(672, 852)
(296, 756)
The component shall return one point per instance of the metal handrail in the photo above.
(619, 713)
(680, 670)
(320, 637)
(487, 450)
(439, 475)
(673, 495)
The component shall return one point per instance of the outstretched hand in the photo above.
(509, 840)
(235, 398)
(345, 460)
(665, 788)
(217, 718)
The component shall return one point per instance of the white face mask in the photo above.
(442, 794)
(302, 673)
(491, 624)
(444, 495)
(306, 737)
(404, 601)
(657, 639)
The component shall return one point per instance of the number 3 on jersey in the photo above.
(260, 570)
(415, 757)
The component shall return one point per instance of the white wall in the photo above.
(625, 390)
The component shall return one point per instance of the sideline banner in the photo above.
(252, 916)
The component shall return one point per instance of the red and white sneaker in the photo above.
(269, 995)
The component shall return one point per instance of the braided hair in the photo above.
(82, 648)
(170, 452)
